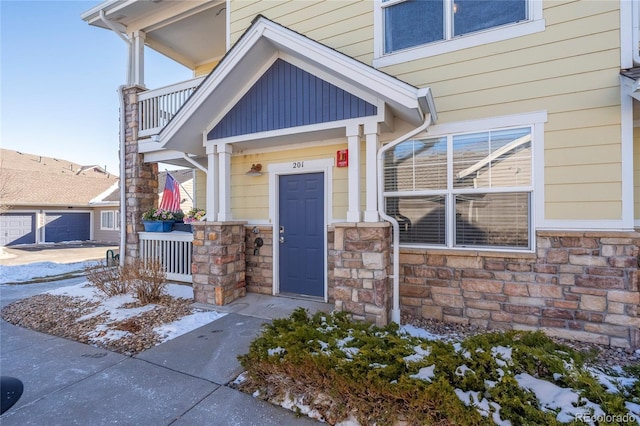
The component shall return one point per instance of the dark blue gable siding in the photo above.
(287, 96)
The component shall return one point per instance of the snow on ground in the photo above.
(110, 305)
(22, 273)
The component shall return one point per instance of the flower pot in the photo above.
(182, 227)
(158, 225)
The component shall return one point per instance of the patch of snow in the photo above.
(414, 331)
(350, 421)
(185, 324)
(109, 335)
(502, 355)
(562, 400)
(179, 291)
(377, 365)
(425, 373)
(276, 351)
(83, 290)
(483, 406)
(242, 377)
(459, 349)
(419, 354)
(296, 404)
(611, 383)
(462, 370)
(634, 410)
(28, 272)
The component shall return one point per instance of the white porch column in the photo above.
(136, 58)
(212, 184)
(353, 138)
(224, 180)
(371, 131)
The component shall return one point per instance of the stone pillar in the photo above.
(218, 262)
(140, 179)
(362, 267)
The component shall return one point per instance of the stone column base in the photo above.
(361, 271)
(218, 262)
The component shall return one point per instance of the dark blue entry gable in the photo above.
(287, 96)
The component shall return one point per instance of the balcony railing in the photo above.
(172, 249)
(157, 107)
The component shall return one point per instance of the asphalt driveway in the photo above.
(54, 252)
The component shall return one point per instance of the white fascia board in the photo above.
(162, 156)
(311, 128)
(108, 6)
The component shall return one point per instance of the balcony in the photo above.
(157, 107)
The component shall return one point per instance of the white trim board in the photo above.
(324, 166)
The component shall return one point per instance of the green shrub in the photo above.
(379, 376)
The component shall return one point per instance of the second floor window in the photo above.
(411, 23)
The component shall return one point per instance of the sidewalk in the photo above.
(181, 382)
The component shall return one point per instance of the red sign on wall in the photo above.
(342, 158)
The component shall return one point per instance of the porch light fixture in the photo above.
(255, 170)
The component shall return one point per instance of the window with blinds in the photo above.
(467, 190)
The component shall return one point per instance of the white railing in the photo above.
(156, 107)
(172, 249)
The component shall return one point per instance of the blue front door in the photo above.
(301, 233)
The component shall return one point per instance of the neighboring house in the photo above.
(497, 138)
(46, 200)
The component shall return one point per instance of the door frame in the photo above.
(323, 166)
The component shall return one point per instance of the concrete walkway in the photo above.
(183, 381)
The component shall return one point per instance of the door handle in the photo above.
(281, 239)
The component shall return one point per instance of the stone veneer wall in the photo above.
(218, 262)
(259, 273)
(140, 179)
(579, 285)
(361, 259)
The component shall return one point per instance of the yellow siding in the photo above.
(200, 190)
(250, 195)
(343, 25)
(571, 70)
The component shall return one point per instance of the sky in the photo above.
(59, 78)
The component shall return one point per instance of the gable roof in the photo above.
(259, 47)
(30, 180)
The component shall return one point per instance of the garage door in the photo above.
(61, 227)
(17, 228)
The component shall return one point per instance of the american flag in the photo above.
(171, 195)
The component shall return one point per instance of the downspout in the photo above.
(395, 310)
(123, 180)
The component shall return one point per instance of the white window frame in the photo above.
(534, 24)
(535, 121)
(116, 220)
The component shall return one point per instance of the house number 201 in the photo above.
(298, 164)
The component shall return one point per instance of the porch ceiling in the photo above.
(175, 29)
(263, 43)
